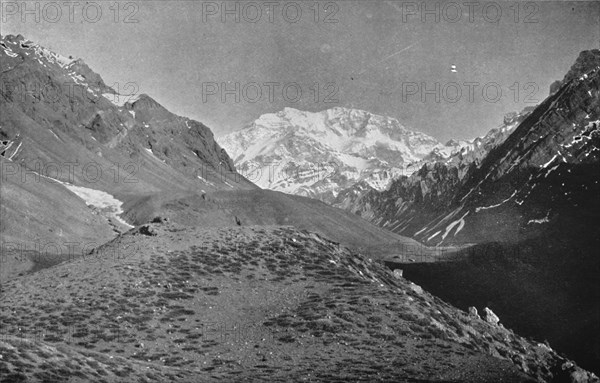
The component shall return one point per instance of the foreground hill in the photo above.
(165, 302)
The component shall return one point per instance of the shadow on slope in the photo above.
(540, 288)
(41, 221)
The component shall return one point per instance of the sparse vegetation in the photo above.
(263, 299)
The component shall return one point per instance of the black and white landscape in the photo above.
(336, 191)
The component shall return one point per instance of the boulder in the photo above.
(473, 313)
(147, 230)
(416, 288)
(160, 220)
(567, 371)
(490, 317)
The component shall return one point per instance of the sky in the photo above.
(448, 69)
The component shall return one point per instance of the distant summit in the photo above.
(319, 154)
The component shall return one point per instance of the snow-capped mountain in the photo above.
(320, 154)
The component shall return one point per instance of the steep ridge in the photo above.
(319, 154)
(249, 303)
(536, 197)
(560, 134)
(57, 111)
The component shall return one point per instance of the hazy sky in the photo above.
(378, 56)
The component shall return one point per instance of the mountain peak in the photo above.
(328, 150)
(586, 61)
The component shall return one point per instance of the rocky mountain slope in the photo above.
(57, 109)
(248, 303)
(536, 197)
(319, 154)
(67, 140)
(555, 140)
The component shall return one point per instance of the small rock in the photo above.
(398, 273)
